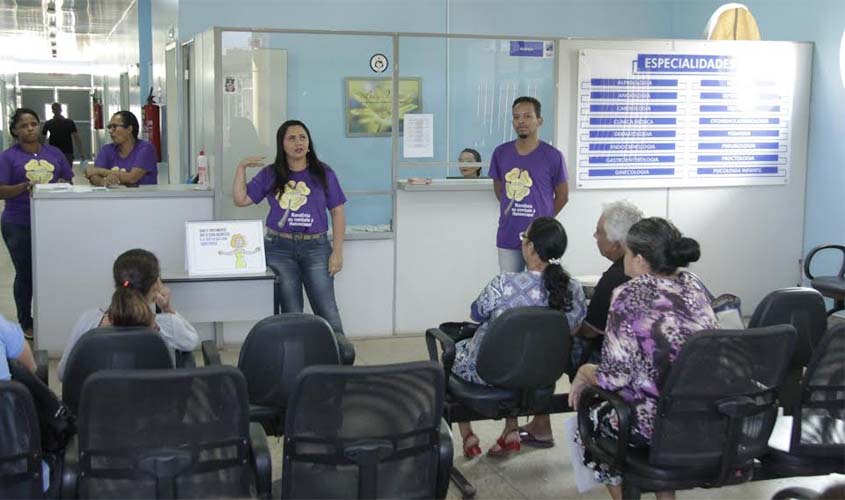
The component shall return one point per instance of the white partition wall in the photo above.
(751, 237)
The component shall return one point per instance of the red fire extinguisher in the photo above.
(97, 112)
(151, 128)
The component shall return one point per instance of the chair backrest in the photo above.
(278, 348)
(718, 403)
(20, 443)
(364, 431)
(111, 348)
(817, 426)
(525, 348)
(802, 308)
(164, 434)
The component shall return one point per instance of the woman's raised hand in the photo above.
(252, 161)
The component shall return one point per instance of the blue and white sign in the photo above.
(679, 119)
(532, 48)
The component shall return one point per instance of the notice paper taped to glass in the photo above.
(418, 136)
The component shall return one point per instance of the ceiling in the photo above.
(31, 29)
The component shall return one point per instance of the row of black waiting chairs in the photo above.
(359, 423)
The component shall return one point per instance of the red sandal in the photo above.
(471, 451)
(505, 447)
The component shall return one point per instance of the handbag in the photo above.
(55, 421)
(727, 307)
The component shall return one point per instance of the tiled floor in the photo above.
(530, 474)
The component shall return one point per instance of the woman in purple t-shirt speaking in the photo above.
(299, 189)
(23, 165)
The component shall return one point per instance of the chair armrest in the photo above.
(42, 363)
(185, 359)
(210, 354)
(589, 397)
(70, 469)
(447, 345)
(444, 465)
(796, 492)
(346, 350)
(814, 251)
(261, 461)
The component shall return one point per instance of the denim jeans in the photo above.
(299, 263)
(18, 240)
(511, 261)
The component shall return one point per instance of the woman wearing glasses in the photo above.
(127, 160)
(544, 283)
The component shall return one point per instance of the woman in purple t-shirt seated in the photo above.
(127, 160)
(21, 166)
(299, 189)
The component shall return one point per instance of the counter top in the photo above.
(58, 191)
(480, 184)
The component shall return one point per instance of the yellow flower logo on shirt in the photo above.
(39, 171)
(518, 184)
(118, 169)
(295, 195)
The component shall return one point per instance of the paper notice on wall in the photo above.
(419, 136)
(225, 247)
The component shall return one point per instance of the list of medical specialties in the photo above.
(681, 120)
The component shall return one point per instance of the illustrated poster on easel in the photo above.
(225, 247)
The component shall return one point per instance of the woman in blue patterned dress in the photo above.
(651, 317)
(544, 283)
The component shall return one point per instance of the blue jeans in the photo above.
(18, 240)
(304, 262)
(511, 261)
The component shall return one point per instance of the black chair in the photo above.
(367, 432)
(273, 353)
(524, 353)
(816, 437)
(716, 410)
(802, 308)
(20, 443)
(829, 286)
(111, 348)
(167, 434)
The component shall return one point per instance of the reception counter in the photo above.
(78, 233)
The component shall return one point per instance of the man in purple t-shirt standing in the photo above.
(529, 177)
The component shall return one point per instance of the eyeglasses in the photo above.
(113, 126)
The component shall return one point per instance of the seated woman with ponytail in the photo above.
(137, 288)
(544, 283)
(651, 317)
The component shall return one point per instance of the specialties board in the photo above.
(683, 120)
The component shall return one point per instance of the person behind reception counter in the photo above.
(128, 160)
(23, 165)
(299, 189)
(137, 287)
(469, 155)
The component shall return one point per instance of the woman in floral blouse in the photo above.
(651, 317)
(545, 283)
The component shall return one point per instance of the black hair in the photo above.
(280, 165)
(129, 120)
(57, 108)
(135, 272)
(531, 100)
(17, 115)
(662, 245)
(549, 239)
(476, 156)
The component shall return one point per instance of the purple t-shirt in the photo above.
(302, 207)
(529, 187)
(143, 156)
(16, 166)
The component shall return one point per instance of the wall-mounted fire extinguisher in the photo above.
(151, 127)
(97, 112)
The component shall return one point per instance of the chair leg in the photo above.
(630, 491)
(464, 486)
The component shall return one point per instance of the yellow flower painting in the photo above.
(39, 171)
(518, 184)
(369, 104)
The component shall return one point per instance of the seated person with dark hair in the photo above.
(470, 155)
